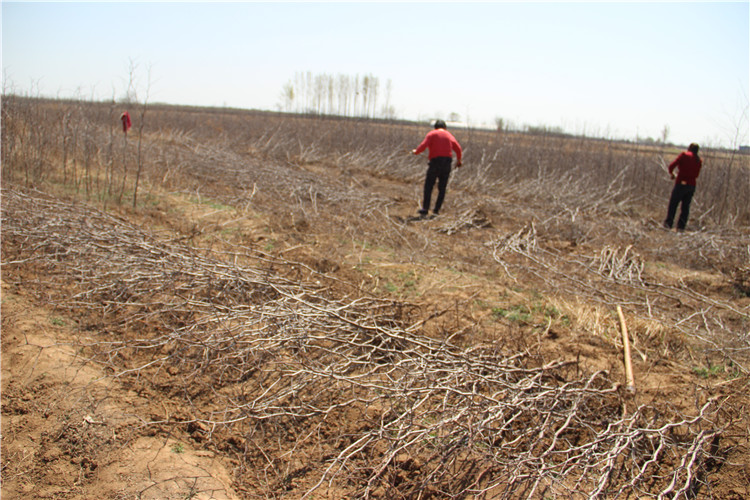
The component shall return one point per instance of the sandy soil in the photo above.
(69, 431)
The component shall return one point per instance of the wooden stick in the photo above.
(626, 345)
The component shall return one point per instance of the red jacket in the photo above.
(688, 167)
(441, 143)
(126, 123)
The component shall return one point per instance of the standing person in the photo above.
(126, 123)
(688, 165)
(441, 145)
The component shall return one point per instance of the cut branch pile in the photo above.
(469, 219)
(618, 276)
(340, 394)
(622, 266)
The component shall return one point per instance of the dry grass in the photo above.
(270, 292)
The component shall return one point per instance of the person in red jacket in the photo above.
(688, 165)
(441, 145)
(126, 123)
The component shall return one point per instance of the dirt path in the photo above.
(69, 431)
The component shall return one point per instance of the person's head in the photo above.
(693, 148)
(440, 124)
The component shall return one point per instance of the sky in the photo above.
(608, 69)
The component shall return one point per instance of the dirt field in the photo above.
(270, 325)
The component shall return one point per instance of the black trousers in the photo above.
(681, 194)
(439, 169)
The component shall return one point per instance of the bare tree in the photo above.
(373, 93)
(342, 87)
(664, 134)
(143, 108)
(388, 111)
(287, 97)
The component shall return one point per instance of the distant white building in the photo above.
(455, 125)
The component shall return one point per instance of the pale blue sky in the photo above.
(611, 69)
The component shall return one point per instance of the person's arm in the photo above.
(421, 147)
(459, 152)
(674, 163)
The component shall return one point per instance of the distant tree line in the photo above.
(342, 95)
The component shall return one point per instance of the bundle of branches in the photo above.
(339, 393)
(617, 275)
